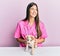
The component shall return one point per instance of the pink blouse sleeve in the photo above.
(43, 30)
(17, 31)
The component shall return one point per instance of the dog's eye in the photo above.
(31, 40)
(27, 39)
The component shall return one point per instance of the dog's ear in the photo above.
(32, 37)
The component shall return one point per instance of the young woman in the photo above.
(31, 25)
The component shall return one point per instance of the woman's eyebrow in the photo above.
(33, 8)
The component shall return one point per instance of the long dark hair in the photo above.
(39, 33)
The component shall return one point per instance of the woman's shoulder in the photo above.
(21, 22)
(41, 22)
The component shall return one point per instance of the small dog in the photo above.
(30, 43)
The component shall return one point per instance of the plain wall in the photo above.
(11, 11)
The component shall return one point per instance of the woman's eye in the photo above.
(32, 8)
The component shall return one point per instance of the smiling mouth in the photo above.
(34, 14)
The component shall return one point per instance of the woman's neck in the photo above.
(31, 21)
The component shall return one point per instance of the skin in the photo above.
(33, 13)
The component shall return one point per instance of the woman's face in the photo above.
(33, 11)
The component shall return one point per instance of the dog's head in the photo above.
(29, 38)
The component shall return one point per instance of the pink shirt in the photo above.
(23, 28)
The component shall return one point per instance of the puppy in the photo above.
(30, 43)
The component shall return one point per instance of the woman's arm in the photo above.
(40, 40)
(21, 40)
